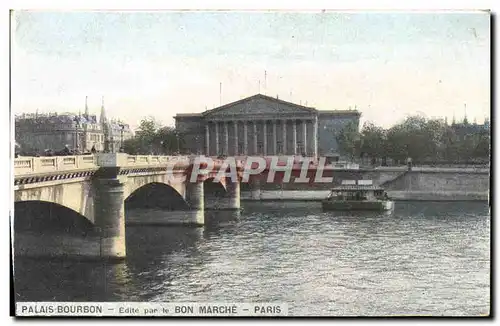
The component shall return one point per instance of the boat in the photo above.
(357, 195)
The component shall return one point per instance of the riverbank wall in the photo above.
(420, 184)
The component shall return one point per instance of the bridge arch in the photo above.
(156, 195)
(214, 193)
(212, 188)
(76, 196)
(46, 217)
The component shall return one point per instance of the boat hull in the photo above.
(353, 205)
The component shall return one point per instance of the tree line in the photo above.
(151, 138)
(421, 139)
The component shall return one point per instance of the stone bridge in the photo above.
(97, 186)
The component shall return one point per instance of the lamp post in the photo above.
(177, 138)
(122, 126)
(77, 124)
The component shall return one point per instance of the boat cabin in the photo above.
(357, 190)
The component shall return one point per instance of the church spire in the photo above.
(86, 108)
(103, 118)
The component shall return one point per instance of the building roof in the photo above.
(259, 96)
(339, 112)
(188, 115)
(305, 109)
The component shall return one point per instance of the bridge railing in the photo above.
(37, 165)
(154, 159)
(27, 165)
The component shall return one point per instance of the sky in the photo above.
(388, 65)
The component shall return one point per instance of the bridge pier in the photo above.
(255, 189)
(233, 195)
(231, 201)
(110, 218)
(196, 200)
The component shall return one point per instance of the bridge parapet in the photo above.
(125, 160)
(133, 160)
(40, 165)
(29, 166)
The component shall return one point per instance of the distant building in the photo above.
(263, 125)
(37, 132)
(465, 128)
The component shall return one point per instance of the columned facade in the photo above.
(261, 137)
(262, 125)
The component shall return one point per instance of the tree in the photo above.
(146, 134)
(482, 149)
(396, 143)
(349, 139)
(147, 129)
(433, 139)
(152, 138)
(169, 140)
(373, 140)
(416, 137)
(132, 146)
(450, 145)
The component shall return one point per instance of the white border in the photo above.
(6, 198)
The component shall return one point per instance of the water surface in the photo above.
(423, 259)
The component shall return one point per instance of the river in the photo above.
(426, 258)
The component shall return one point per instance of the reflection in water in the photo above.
(423, 258)
(221, 218)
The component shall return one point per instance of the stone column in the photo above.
(265, 137)
(275, 140)
(226, 139)
(315, 137)
(196, 200)
(110, 218)
(217, 153)
(254, 138)
(245, 137)
(236, 147)
(207, 140)
(284, 136)
(304, 135)
(294, 137)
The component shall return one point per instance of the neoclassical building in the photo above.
(263, 125)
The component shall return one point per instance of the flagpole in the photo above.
(265, 82)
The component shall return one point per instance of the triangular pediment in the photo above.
(258, 105)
